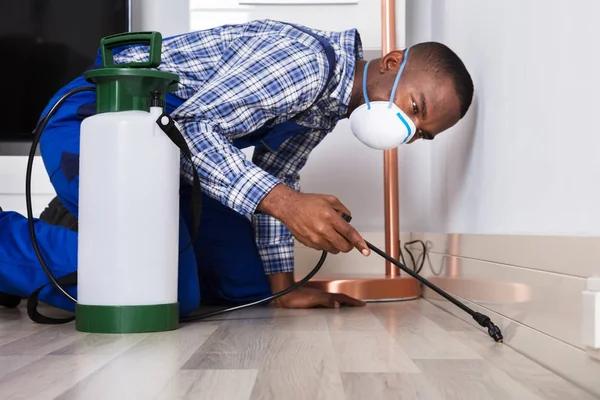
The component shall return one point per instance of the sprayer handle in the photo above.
(153, 39)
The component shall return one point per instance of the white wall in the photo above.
(523, 164)
(361, 14)
(170, 17)
(526, 158)
(12, 185)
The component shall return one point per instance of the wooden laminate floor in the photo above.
(408, 350)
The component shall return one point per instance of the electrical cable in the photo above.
(481, 319)
(414, 263)
(426, 256)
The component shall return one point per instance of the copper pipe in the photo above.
(392, 218)
(390, 157)
(388, 26)
(453, 249)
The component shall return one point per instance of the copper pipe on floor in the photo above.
(390, 157)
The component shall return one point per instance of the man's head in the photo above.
(435, 89)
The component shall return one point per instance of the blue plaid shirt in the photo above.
(235, 78)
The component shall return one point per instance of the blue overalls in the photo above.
(222, 267)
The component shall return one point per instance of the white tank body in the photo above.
(128, 211)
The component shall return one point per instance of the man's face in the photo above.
(430, 102)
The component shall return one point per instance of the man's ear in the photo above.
(391, 61)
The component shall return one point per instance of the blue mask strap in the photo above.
(398, 78)
(365, 85)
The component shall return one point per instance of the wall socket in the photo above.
(591, 317)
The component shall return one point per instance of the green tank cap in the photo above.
(129, 86)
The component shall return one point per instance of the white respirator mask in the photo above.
(382, 125)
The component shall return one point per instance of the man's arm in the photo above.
(268, 77)
(274, 240)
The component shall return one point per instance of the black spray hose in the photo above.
(36, 139)
(481, 319)
(266, 300)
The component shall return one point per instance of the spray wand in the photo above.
(481, 319)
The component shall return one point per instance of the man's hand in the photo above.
(314, 220)
(309, 298)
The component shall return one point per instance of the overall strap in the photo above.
(272, 136)
(329, 53)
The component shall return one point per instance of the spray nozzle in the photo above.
(486, 322)
(156, 100)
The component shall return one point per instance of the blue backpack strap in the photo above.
(329, 53)
(271, 137)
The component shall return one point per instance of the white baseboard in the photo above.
(531, 288)
(573, 364)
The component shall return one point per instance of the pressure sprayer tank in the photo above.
(128, 198)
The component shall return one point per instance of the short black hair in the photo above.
(441, 60)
